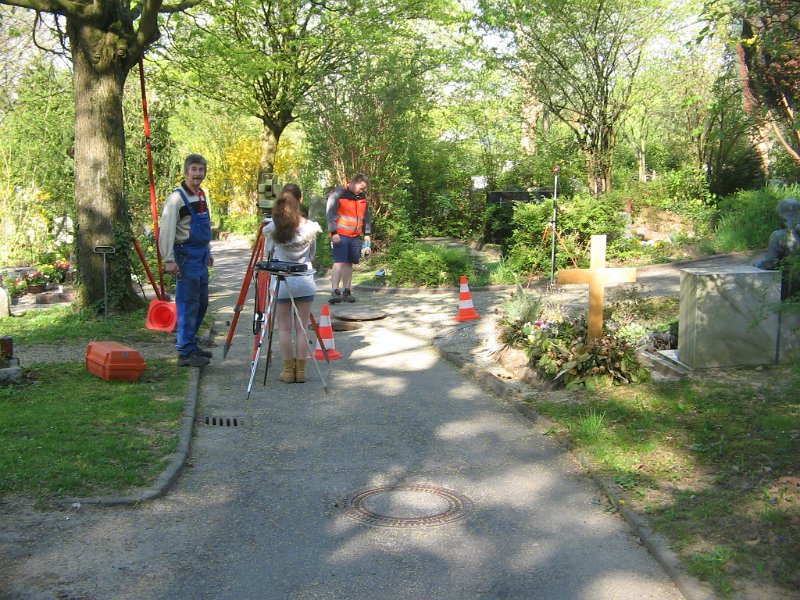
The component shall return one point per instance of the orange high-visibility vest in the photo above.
(350, 215)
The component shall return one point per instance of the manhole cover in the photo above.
(359, 314)
(407, 506)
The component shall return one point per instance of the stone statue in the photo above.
(783, 243)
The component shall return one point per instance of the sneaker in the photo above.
(204, 353)
(193, 360)
(348, 297)
(336, 297)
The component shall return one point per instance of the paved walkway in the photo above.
(405, 481)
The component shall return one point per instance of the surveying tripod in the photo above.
(262, 314)
(280, 275)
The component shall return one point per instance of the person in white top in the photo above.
(293, 238)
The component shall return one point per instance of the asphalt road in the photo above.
(405, 480)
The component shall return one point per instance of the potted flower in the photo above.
(63, 271)
(37, 282)
(16, 287)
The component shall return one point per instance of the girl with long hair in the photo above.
(293, 238)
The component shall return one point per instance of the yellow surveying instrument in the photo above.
(267, 193)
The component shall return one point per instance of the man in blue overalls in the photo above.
(184, 240)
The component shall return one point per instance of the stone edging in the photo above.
(689, 587)
(176, 464)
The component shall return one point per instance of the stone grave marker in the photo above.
(597, 276)
(5, 303)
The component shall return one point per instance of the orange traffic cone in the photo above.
(466, 312)
(162, 315)
(326, 333)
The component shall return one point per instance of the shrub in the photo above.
(240, 224)
(561, 352)
(748, 218)
(558, 348)
(417, 264)
(579, 218)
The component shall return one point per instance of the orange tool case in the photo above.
(113, 361)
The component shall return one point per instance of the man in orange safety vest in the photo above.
(347, 214)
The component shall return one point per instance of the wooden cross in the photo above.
(597, 276)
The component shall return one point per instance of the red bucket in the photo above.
(162, 316)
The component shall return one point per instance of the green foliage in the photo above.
(558, 348)
(241, 224)
(519, 309)
(15, 286)
(748, 218)
(561, 353)
(579, 218)
(419, 265)
(36, 178)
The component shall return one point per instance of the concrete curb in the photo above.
(689, 587)
(176, 464)
(429, 290)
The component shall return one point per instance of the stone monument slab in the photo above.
(789, 336)
(725, 317)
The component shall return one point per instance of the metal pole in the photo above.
(104, 250)
(554, 224)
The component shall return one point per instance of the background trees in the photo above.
(105, 40)
(578, 59)
(434, 103)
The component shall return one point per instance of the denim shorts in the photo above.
(348, 250)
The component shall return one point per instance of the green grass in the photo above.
(65, 432)
(60, 324)
(712, 461)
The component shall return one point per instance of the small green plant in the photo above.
(16, 286)
(520, 308)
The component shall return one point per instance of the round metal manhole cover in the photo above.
(407, 506)
(358, 314)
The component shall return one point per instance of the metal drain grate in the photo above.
(223, 421)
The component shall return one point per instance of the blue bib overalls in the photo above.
(191, 290)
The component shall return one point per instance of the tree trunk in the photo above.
(642, 159)
(99, 76)
(598, 172)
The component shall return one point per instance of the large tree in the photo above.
(106, 39)
(578, 59)
(263, 57)
(769, 64)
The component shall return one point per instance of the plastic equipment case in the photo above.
(113, 361)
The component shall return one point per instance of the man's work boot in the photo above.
(287, 376)
(300, 370)
(348, 297)
(204, 353)
(336, 297)
(193, 360)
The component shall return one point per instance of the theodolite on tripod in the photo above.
(280, 271)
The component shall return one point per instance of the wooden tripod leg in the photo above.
(258, 247)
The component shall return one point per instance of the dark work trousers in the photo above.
(191, 291)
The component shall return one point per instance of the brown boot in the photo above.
(287, 376)
(300, 371)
